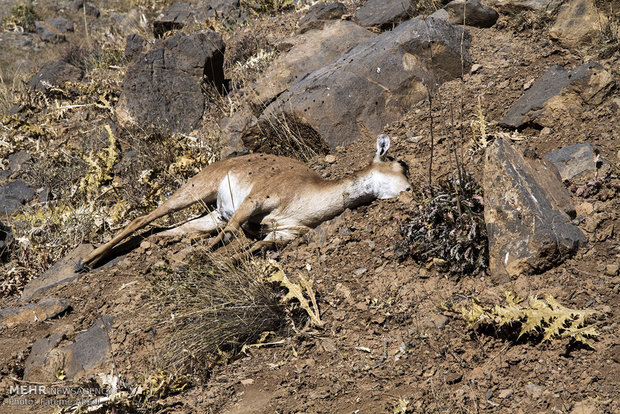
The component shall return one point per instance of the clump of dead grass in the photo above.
(210, 309)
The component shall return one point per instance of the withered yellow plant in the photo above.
(296, 291)
(546, 316)
(101, 166)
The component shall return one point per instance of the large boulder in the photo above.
(581, 162)
(527, 211)
(318, 14)
(36, 312)
(88, 355)
(53, 75)
(560, 93)
(468, 12)
(60, 273)
(162, 87)
(54, 30)
(13, 195)
(375, 83)
(182, 14)
(578, 22)
(519, 5)
(307, 53)
(385, 13)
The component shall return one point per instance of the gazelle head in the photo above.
(389, 177)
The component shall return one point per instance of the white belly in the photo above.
(230, 194)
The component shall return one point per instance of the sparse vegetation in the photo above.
(543, 319)
(447, 229)
(212, 309)
(267, 6)
(24, 16)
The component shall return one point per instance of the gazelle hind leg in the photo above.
(178, 201)
(205, 224)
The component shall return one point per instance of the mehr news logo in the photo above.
(46, 395)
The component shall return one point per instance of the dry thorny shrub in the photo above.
(447, 228)
(536, 317)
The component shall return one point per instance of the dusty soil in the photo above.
(390, 333)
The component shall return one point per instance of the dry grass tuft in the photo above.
(211, 309)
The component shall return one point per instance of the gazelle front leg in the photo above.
(274, 239)
(246, 210)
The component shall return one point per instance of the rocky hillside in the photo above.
(492, 286)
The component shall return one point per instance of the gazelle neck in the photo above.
(351, 191)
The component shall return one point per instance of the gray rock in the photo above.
(4, 175)
(578, 22)
(385, 13)
(518, 5)
(135, 45)
(435, 320)
(90, 349)
(579, 160)
(233, 129)
(37, 312)
(527, 213)
(471, 13)
(182, 14)
(372, 85)
(306, 53)
(89, 9)
(534, 390)
(318, 14)
(13, 196)
(162, 87)
(559, 90)
(6, 242)
(62, 272)
(54, 74)
(38, 354)
(54, 30)
(18, 160)
(87, 355)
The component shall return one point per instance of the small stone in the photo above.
(507, 393)
(247, 381)
(453, 378)
(330, 159)
(328, 345)
(533, 390)
(360, 271)
(475, 68)
(584, 407)
(546, 131)
(585, 209)
(435, 320)
(612, 269)
(146, 245)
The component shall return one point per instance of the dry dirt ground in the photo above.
(389, 334)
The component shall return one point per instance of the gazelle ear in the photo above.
(383, 144)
